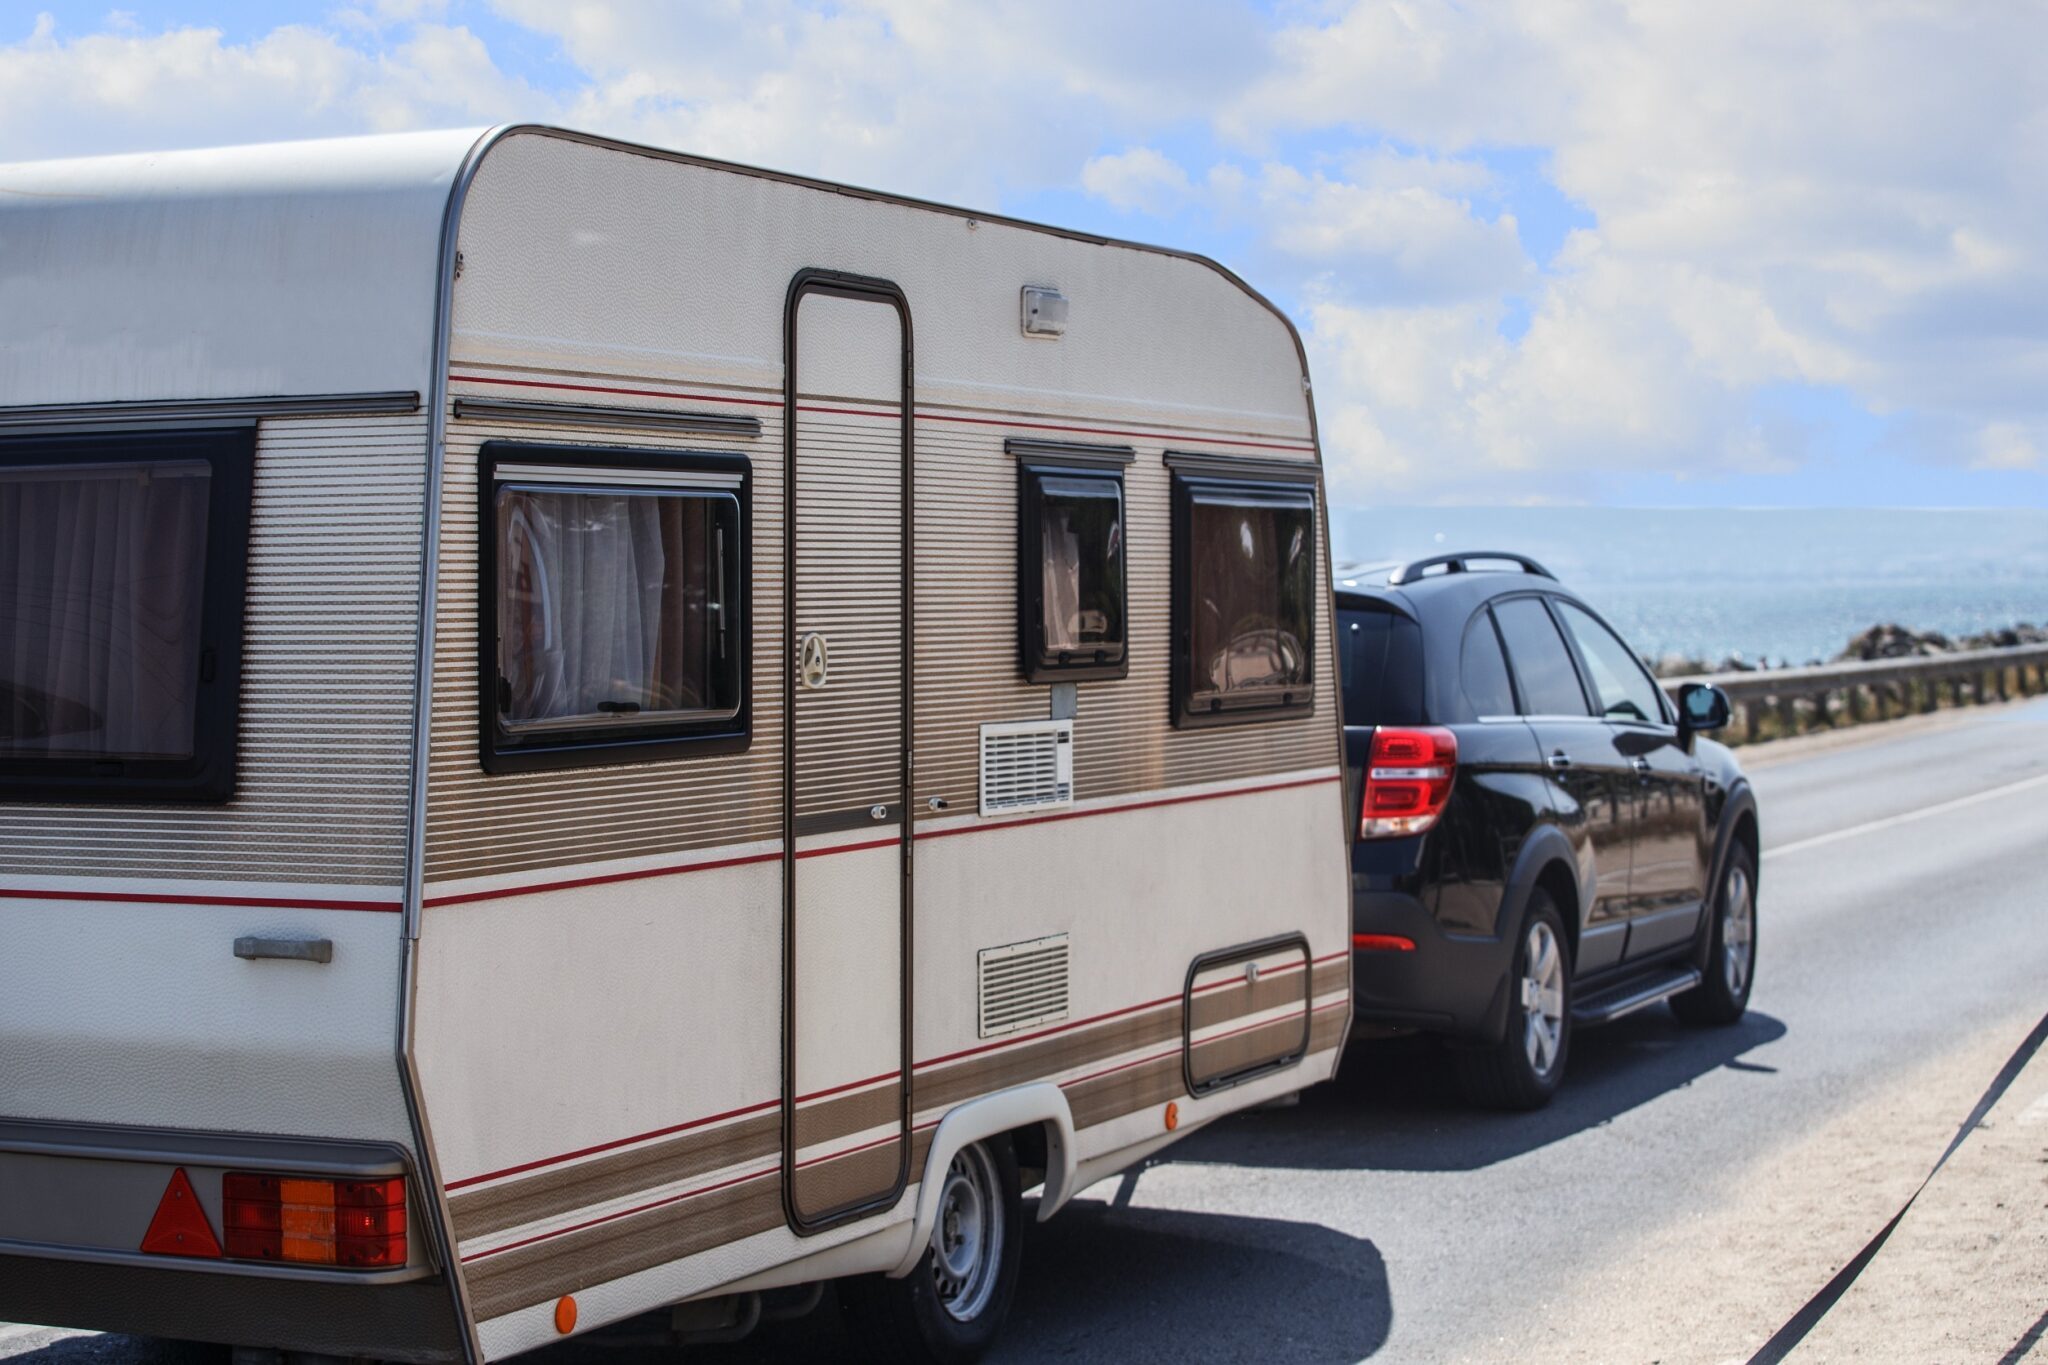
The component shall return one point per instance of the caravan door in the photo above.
(846, 728)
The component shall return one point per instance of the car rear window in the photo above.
(1380, 655)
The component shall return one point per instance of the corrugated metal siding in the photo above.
(965, 652)
(478, 824)
(326, 721)
(849, 578)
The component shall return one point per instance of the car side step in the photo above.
(1604, 1007)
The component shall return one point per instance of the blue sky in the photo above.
(1542, 251)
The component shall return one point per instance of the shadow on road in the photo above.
(1395, 1106)
(1107, 1283)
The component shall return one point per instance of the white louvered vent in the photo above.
(1023, 984)
(1027, 765)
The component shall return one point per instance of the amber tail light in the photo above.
(350, 1224)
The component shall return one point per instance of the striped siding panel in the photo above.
(329, 628)
(965, 660)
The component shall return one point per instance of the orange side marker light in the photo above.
(1172, 1117)
(565, 1314)
(179, 1227)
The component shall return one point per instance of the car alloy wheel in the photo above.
(1542, 998)
(968, 1238)
(1738, 929)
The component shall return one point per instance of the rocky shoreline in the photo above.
(1884, 641)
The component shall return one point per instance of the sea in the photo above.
(1762, 585)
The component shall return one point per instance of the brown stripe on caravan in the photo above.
(479, 1212)
(965, 662)
(534, 1272)
(1048, 1057)
(1327, 1025)
(1255, 1046)
(1331, 976)
(845, 1115)
(824, 1184)
(1126, 1090)
(1234, 1000)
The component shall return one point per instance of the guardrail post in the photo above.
(1749, 722)
(2004, 683)
(1855, 699)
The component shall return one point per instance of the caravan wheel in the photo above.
(947, 1311)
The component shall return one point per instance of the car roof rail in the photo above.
(1462, 562)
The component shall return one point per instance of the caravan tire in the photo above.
(948, 1310)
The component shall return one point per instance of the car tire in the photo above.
(1723, 994)
(1524, 1069)
(949, 1309)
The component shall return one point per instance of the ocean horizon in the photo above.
(1764, 585)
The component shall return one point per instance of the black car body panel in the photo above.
(1625, 821)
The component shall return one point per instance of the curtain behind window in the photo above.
(606, 605)
(101, 575)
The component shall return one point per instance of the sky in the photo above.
(1607, 252)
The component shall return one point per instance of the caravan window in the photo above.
(1072, 583)
(1245, 590)
(616, 605)
(121, 567)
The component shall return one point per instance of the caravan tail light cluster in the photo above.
(352, 1224)
(1407, 781)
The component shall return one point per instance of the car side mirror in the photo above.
(1703, 707)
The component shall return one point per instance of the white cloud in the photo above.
(1140, 179)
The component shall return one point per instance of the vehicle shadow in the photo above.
(1395, 1106)
(1102, 1282)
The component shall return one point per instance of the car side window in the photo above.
(1543, 668)
(1626, 692)
(1485, 669)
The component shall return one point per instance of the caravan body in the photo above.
(675, 700)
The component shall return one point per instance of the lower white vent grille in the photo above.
(1027, 765)
(1022, 984)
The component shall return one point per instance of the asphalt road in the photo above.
(1683, 1196)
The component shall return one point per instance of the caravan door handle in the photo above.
(1560, 760)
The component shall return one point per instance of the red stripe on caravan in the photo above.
(1164, 438)
(603, 388)
(536, 888)
(162, 898)
(621, 1213)
(613, 1145)
(1134, 805)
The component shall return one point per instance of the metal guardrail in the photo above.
(1790, 701)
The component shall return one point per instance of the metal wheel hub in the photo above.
(1542, 998)
(967, 1242)
(1738, 930)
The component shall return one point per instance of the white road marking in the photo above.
(1892, 821)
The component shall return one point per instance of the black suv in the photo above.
(1544, 840)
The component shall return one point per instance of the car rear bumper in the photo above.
(1449, 984)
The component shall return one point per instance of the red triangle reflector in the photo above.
(180, 1227)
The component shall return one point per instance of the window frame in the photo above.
(1037, 461)
(1588, 680)
(1507, 666)
(209, 775)
(1193, 475)
(640, 742)
(1571, 654)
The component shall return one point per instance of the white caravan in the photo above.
(584, 729)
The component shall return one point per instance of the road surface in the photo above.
(1684, 1195)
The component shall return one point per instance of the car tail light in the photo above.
(1407, 781)
(354, 1224)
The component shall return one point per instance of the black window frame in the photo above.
(1194, 474)
(1571, 654)
(208, 776)
(1037, 461)
(601, 746)
(1507, 667)
(1664, 719)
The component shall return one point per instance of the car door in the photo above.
(1667, 876)
(1595, 789)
